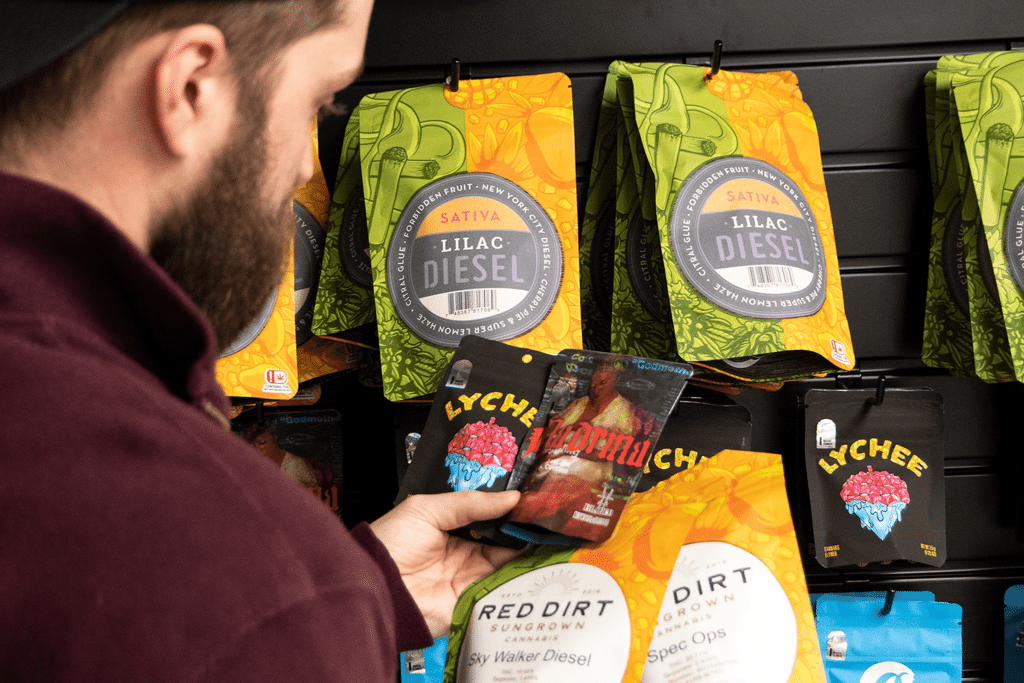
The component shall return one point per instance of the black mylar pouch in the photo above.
(703, 423)
(875, 475)
(306, 443)
(482, 411)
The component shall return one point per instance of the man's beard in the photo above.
(223, 246)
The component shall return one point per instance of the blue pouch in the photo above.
(922, 596)
(878, 640)
(1013, 634)
(424, 666)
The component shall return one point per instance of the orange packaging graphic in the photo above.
(277, 351)
(262, 362)
(699, 569)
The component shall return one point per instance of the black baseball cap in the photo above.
(34, 33)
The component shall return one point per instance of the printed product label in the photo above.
(473, 254)
(275, 381)
(354, 241)
(744, 236)
(1015, 237)
(309, 254)
(724, 618)
(646, 274)
(954, 260)
(564, 622)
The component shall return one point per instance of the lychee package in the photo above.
(487, 402)
(597, 427)
(698, 570)
(704, 422)
(744, 222)
(472, 221)
(882, 639)
(874, 464)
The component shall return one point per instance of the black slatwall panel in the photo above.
(860, 67)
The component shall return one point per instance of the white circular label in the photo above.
(724, 618)
(745, 237)
(564, 622)
(473, 253)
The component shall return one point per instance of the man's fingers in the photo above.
(453, 510)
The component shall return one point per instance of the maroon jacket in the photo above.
(139, 539)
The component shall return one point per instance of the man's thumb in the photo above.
(457, 509)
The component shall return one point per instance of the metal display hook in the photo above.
(453, 77)
(716, 61)
(887, 607)
(879, 392)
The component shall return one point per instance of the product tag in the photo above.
(878, 493)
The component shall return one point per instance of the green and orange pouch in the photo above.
(344, 306)
(990, 108)
(874, 463)
(471, 215)
(738, 196)
(278, 351)
(597, 228)
(698, 569)
(964, 331)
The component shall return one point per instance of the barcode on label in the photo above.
(473, 301)
(770, 276)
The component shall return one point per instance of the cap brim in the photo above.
(33, 33)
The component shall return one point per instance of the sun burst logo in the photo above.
(559, 581)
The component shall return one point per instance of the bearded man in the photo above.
(148, 156)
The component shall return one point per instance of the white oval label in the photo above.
(725, 617)
(473, 254)
(564, 622)
(745, 237)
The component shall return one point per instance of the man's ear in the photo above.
(194, 88)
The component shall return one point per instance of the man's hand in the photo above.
(437, 567)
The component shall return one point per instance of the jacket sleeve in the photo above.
(412, 631)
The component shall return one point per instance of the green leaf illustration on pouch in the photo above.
(992, 359)
(641, 317)
(947, 332)
(991, 114)
(597, 228)
(345, 296)
(489, 246)
(744, 223)
(948, 340)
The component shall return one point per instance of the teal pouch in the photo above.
(888, 640)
